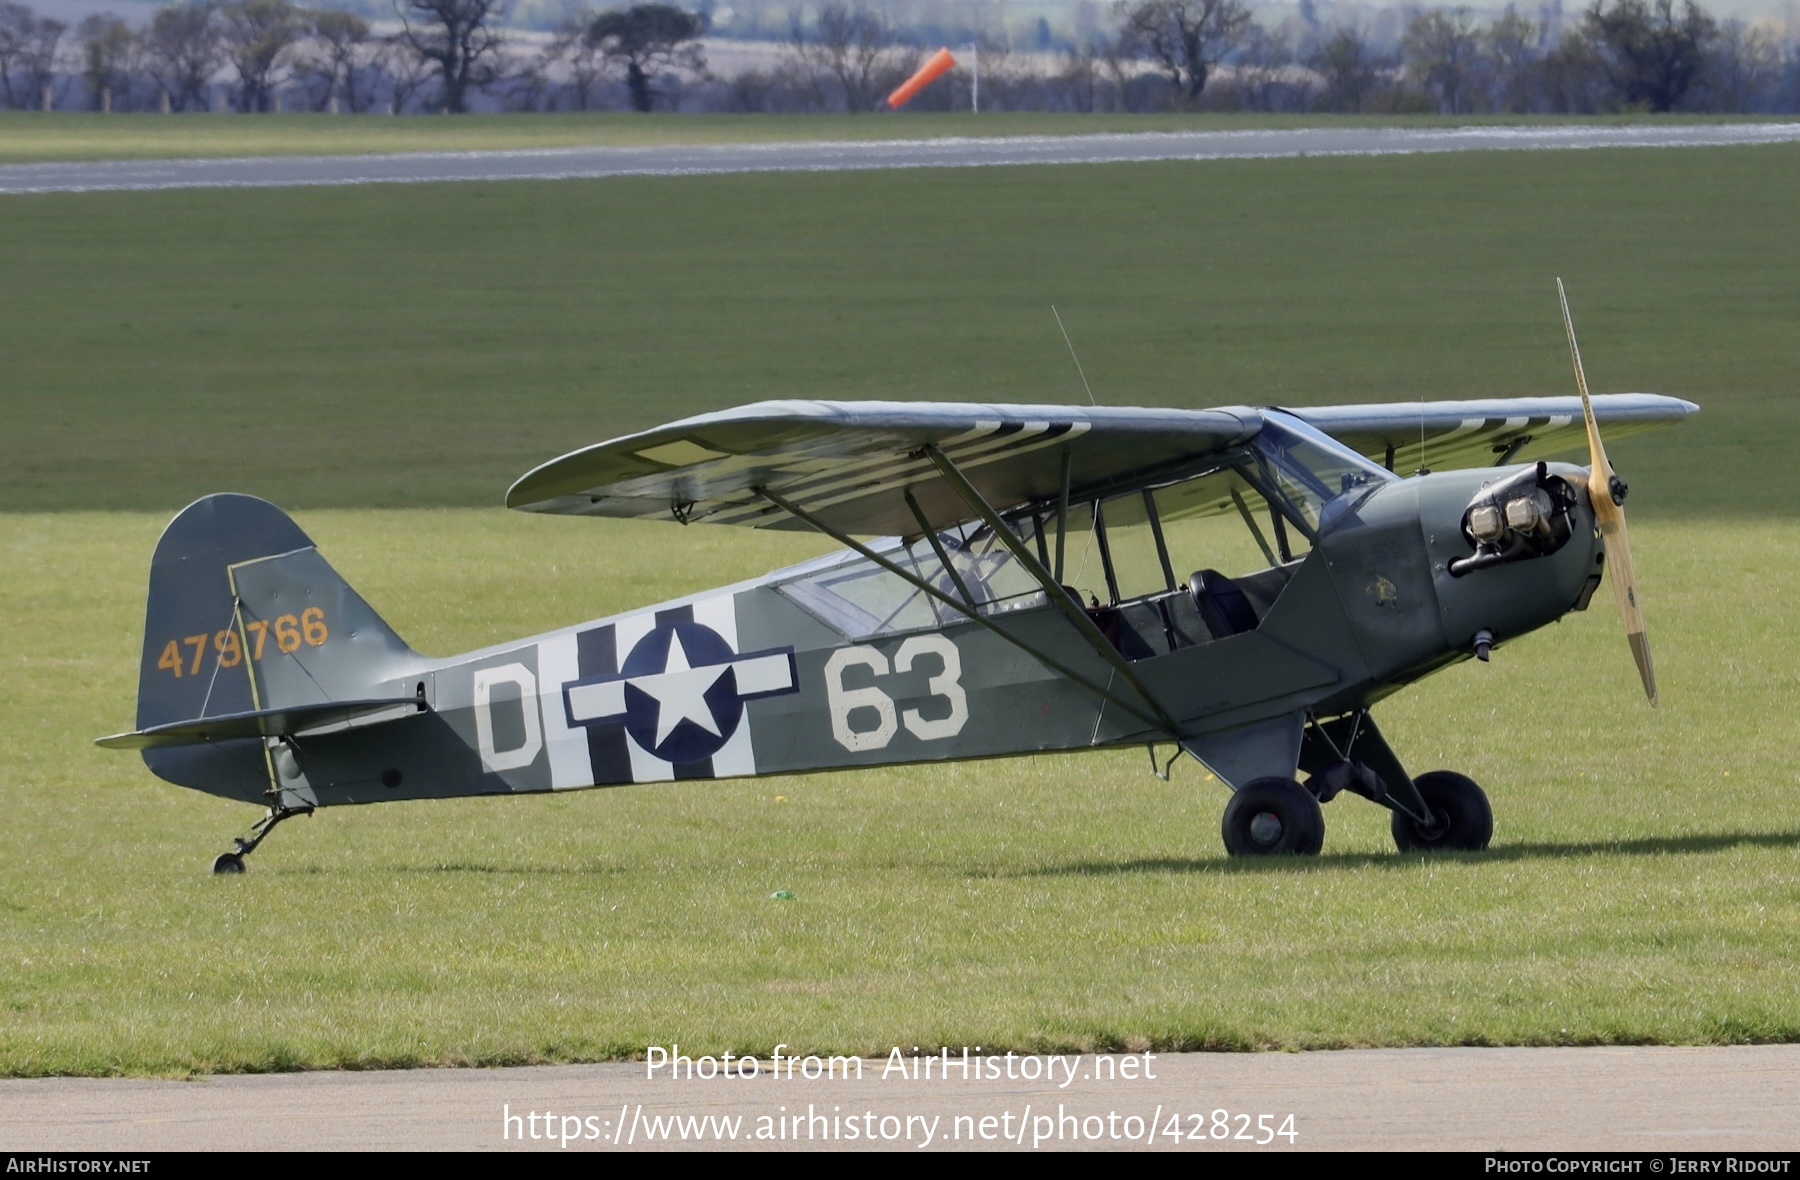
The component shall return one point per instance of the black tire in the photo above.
(227, 863)
(1273, 817)
(1466, 822)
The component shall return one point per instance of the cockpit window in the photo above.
(1250, 517)
(861, 598)
(1222, 520)
(1320, 476)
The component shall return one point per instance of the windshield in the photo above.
(1321, 476)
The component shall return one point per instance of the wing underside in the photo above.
(864, 468)
(853, 464)
(1406, 436)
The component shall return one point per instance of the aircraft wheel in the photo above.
(227, 862)
(1466, 822)
(1273, 817)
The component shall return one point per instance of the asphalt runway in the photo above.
(1740, 1098)
(589, 162)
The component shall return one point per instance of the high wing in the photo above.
(850, 465)
(1487, 431)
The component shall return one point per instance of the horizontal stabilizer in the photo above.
(261, 723)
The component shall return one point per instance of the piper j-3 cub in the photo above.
(1241, 584)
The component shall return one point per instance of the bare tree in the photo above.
(182, 51)
(580, 58)
(108, 53)
(1511, 46)
(1119, 55)
(460, 41)
(338, 59)
(1743, 69)
(1350, 69)
(1653, 55)
(522, 81)
(28, 47)
(647, 38)
(405, 72)
(38, 58)
(1442, 53)
(1262, 66)
(852, 47)
(259, 37)
(1187, 38)
(1572, 78)
(1079, 79)
(16, 25)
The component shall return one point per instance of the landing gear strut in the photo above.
(233, 862)
(1464, 821)
(1440, 810)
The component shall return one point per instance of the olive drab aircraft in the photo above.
(1243, 585)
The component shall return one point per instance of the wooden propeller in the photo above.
(1606, 491)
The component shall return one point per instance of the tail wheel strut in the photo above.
(230, 863)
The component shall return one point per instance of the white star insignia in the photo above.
(679, 691)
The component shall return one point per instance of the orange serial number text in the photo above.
(290, 631)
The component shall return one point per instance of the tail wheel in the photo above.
(1465, 822)
(227, 863)
(1273, 817)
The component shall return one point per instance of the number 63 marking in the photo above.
(845, 701)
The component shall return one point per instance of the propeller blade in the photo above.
(1606, 492)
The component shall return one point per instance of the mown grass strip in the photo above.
(1643, 886)
(425, 345)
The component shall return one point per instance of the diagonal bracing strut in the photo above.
(1022, 554)
(967, 610)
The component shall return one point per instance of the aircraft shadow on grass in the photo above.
(1530, 850)
(526, 870)
(1540, 850)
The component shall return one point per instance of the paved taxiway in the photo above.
(1740, 1098)
(582, 162)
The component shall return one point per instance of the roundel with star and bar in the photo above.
(678, 697)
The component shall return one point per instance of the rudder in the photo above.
(243, 614)
(188, 668)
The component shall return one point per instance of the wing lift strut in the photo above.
(1146, 708)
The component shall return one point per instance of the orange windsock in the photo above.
(934, 66)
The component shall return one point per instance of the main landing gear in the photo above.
(231, 863)
(1273, 816)
(1438, 811)
(1464, 821)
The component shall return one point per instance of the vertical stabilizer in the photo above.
(192, 663)
(245, 615)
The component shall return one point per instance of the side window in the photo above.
(860, 598)
(986, 565)
(1131, 543)
(1082, 569)
(1221, 522)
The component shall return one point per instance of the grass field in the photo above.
(30, 137)
(1643, 885)
(381, 357)
(426, 344)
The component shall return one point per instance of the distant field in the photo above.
(425, 345)
(1643, 885)
(27, 137)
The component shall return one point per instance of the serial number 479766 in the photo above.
(290, 631)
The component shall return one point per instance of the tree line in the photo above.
(1151, 55)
